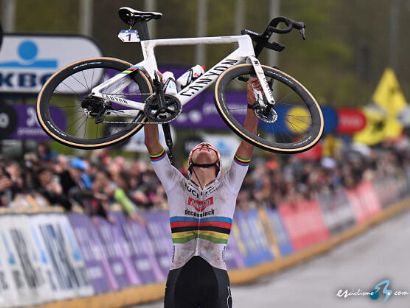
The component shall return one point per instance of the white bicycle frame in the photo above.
(243, 53)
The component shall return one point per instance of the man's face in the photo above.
(204, 154)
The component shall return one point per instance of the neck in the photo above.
(203, 177)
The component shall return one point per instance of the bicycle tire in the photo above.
(313, 132)
(58, 78)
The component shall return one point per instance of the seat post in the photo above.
(142, 28)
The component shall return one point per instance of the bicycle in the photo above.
(107, 100)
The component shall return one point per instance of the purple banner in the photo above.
(117, 252)
(159, 231)
(27, 125)
(201, 112)
(256, 248)
(98, 268)
(282, 237)
(141, 251)
(233, 258)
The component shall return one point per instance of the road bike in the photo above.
(106, 100)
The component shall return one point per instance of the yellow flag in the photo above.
(374, 131)
(388, 94)
(390, 98)
(383, 124)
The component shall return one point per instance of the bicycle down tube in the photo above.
(244, 50)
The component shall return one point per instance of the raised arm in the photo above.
(245, 149)
(152, 139)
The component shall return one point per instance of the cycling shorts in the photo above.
(197, 284)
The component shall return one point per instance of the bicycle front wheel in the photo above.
(295, 123)
(69, 113)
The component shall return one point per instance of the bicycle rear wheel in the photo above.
(299, 123)
(69, 114)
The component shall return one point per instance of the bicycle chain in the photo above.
(138, 122)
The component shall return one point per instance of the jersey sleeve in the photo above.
(167, 174)
(236, 174)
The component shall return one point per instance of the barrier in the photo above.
(55, 259)
(336, 209)
(304, 223)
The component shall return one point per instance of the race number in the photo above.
(129, 36)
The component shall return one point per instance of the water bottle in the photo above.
(170, 86)
(190, 75)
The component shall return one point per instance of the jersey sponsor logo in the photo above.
(197, 193)
(200, 215)
(200, 205)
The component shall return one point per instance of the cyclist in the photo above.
(201, 211)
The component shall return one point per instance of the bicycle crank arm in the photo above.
(262, 80)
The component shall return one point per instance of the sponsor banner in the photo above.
(284, 111)
(117, 252)
(336, 209)
(351, 120)
(257, 248)
(82, 284)
(201, 112)
(8, 120)
(45, 258)
(281, 237)
(304, 223)
(23, 262)
(141, 250)
(65, 261)
(159, 231)
(98, 268)
(364, 201)
(389, 190)
(8, 289)
(27, 126)
(358, 211)
(368, 198)
(238, 241)
(232, 254)
(27, 61)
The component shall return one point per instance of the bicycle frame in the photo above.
(243, 52)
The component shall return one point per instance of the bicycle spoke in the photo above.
(72, 76)
(88, 88)
(68, 96)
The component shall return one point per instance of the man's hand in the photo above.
(252, 85)
(245, 149)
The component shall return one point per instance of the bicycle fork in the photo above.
(267, 108)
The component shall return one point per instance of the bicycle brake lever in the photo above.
(302, 32)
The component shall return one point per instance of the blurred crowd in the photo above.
(270, 182)
(100, 182)
(94, 184)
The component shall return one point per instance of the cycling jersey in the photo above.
(200, 219)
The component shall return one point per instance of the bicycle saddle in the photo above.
(131, 16)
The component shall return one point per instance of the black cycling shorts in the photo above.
(198, 285)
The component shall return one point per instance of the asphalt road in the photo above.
(381, 253)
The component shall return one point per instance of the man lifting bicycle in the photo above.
(201, 211)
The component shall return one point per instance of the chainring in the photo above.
(154, 113)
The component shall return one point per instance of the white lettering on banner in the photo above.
(351, 121)
(31, 117)
(22, 80)
(94, 273)
(143, 265)
(117, 268)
